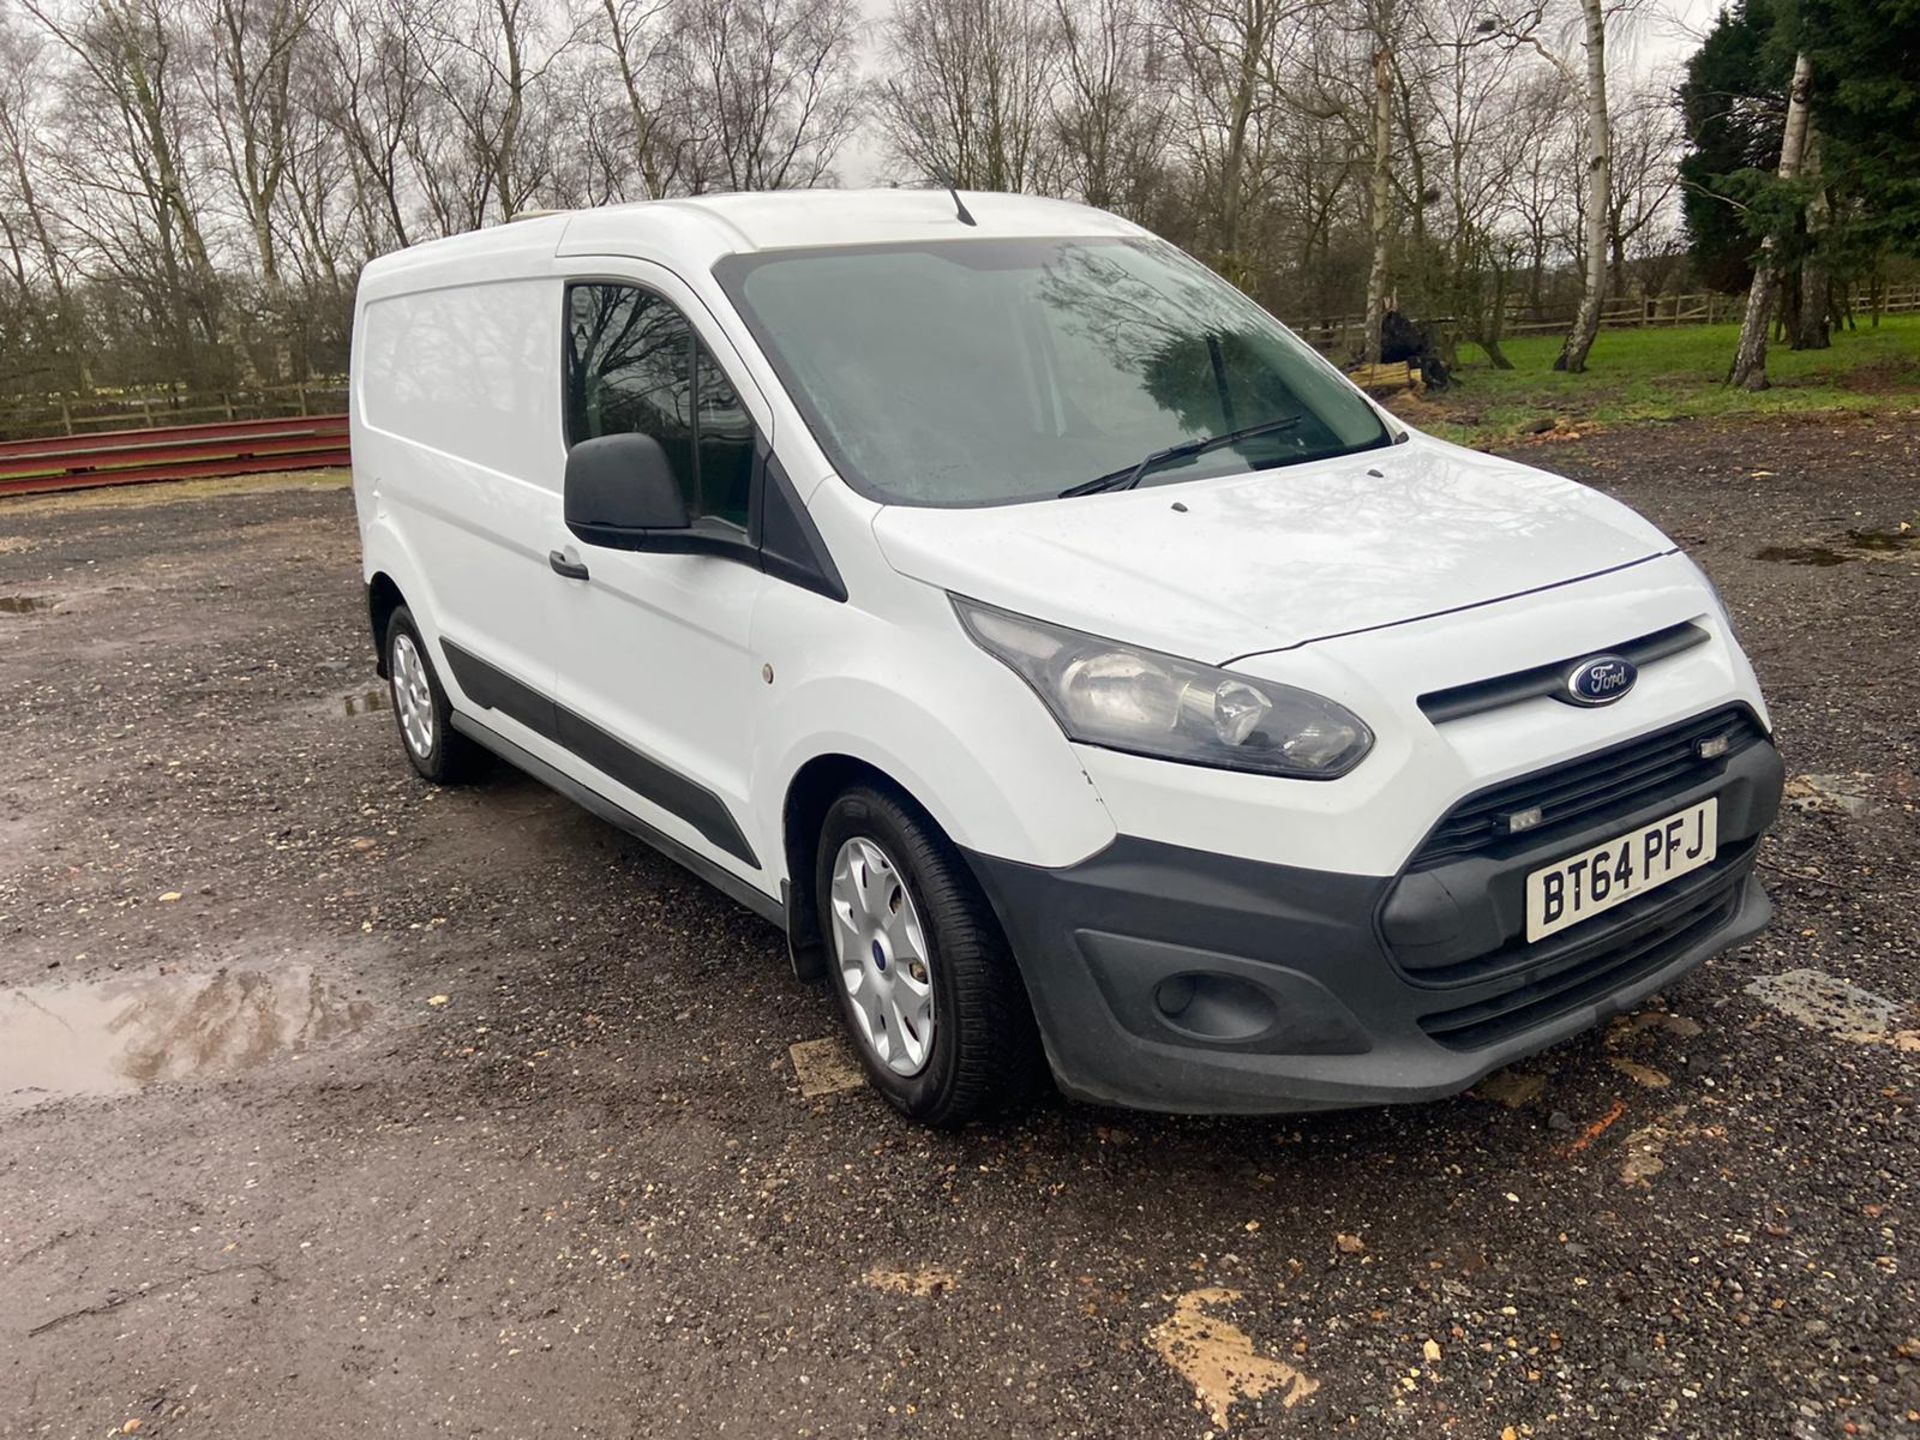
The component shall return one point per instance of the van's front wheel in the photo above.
(920, 969)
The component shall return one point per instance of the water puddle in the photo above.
(1885, 541)
(1804, 555)
(113, 1037)
(1861, 545)
(24, 604)
(366, 702)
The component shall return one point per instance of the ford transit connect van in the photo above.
(1086, 677)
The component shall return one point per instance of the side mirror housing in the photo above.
(620, 490)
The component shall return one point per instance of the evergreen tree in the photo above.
(1866, 104)
(1734, 100)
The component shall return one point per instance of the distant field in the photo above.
(1637, 376)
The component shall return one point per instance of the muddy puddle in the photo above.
(118, 1035)
(25, 604)
(1886, 541)
(1861, 545)
(1804, 555)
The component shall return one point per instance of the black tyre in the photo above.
(918, 965)
(438, 751)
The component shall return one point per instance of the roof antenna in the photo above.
(960, 206)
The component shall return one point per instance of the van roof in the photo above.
(695, 231)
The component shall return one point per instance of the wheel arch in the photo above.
(810, 793)
(383, 598)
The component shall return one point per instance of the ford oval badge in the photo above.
(1600, 679)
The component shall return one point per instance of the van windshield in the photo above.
(981, 372)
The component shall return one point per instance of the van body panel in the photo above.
(466, 456)
(651, 648)
(891, 679)
(1266, 561)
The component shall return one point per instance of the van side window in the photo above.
(635, 365)
(726, 442)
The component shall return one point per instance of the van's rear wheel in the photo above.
(920, 970)
(420, 707)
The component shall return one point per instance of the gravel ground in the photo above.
(332, 1104)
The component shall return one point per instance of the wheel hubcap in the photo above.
(412, 696)
(882, 953)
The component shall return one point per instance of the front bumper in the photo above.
(1166, 978)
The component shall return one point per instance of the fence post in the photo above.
(66, 417)
(300, 390)
(146, 409)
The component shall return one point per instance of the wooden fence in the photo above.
(106, 410)
(175, 452)
(1341, 334)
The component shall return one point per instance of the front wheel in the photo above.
(921, 971)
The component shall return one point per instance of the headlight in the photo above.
(1719, 600)
(1147, 703)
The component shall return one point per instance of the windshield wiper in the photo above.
(1187, 450)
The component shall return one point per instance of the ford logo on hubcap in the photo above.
(1600, 680)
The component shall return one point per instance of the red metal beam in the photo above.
(112, 459)
(176, 452)
(171, 434)
(201, 470)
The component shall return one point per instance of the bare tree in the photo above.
(636, 35)
(30, 228)
(771, 88)
(370, 94)
(1484, 127)
(128, 165)
(248, 91)
(968, 97)
(1599, 163)
(487, 62)
(1750, 355)
(1232, 54)
(1382, 18)
(1111, 109)
(1536, 27)
(1646, 155)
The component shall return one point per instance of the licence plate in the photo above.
(1584, 885)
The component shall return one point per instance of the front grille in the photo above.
(1620, 779)
(1478, 696)
(1591, 970)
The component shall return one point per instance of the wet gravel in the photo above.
(559, 1177)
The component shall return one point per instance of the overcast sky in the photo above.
(1662, 34)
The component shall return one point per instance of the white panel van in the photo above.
(1088, 679)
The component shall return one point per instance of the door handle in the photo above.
(572, 569)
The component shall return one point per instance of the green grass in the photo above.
(1641, 376)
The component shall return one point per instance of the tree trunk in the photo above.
(1495, 321)
(1750, 356)
(1379, 218)
(1586, 321)
(1812, 325)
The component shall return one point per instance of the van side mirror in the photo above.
(619, 489)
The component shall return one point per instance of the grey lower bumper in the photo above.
(1172, 979)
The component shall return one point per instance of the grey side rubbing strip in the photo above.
(489, 686)
(725, 881)
(668, 789)
(1501, 690)
(493, 689)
